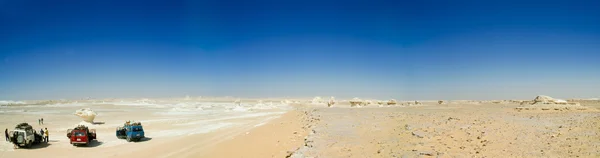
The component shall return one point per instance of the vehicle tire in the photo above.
(128, 139)
(28, 145)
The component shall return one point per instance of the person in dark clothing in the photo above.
(42, 121)
(42, 133)
(6, 134)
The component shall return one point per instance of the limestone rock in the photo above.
(87, 114)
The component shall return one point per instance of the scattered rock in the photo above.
(427, 153)
(407, 127)
(419, 134)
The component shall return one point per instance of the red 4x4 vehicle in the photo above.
(81, 135)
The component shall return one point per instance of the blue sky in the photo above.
(370, 49)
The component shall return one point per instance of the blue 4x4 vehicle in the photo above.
(131, 131)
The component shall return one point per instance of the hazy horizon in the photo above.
(255, 49)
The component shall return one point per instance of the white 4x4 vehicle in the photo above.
(24, 135)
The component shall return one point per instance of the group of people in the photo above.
(41, 121)
(44, 132)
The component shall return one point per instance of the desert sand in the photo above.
(231, 127)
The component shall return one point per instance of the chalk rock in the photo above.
(87, 114)
(317, 100)
(331, 102)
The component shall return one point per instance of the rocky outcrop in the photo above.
(548, 103)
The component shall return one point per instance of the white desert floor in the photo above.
(210, 129)
(165, 125)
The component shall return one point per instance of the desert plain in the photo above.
(299, 128)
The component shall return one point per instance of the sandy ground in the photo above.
(307, 130)
(485, 130)
(278, 138)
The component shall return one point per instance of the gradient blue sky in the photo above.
(370, 49)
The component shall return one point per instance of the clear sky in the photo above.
(408, 50)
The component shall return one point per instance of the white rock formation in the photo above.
(287, 101)
(418, 103)
(239, 108)
(317, 100)
(331, 102)
(392, 102)
(145, 101)
(542, 99)
(356, 102)
(546, 103)
(560, 101)
(10, 102)
(87, 114)
(237, 102)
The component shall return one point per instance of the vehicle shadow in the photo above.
(92, 144)
(39, 146)
(145, 139)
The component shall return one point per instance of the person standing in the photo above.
(42, 121)
(46, 135)
(42, 133)
(39, 122)
(6, 134)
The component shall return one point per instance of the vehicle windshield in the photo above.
(138, 129)
(79, 134)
